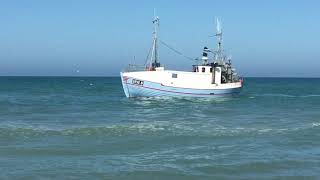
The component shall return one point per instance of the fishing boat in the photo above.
(212, 76)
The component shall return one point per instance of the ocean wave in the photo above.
(276, 95)
(164, 128)
(116, 130)
(315, 124)
(311, 95)
(284, 95)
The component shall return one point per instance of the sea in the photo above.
(85, 128)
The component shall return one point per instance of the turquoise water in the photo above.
(85, 128)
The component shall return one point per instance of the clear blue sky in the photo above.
(265, 38)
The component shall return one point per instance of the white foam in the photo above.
(311, 95)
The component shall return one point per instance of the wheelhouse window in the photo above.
(174, 75)
(203, 69)
(211, 70)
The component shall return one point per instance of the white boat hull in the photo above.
(137, 86)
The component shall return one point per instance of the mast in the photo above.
(219, 34)
(219, 55)
(154, 54)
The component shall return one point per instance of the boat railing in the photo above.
(134, 67)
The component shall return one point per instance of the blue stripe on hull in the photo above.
(151, 89)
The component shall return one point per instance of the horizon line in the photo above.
(102, 76)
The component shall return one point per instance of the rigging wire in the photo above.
(147, 58)
(178, 52)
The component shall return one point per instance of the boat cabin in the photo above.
(202, 69)
(213, 71)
